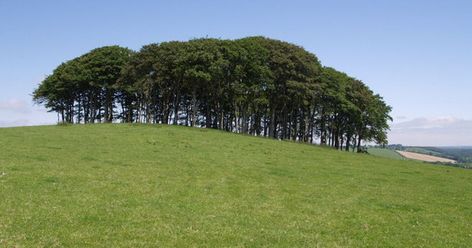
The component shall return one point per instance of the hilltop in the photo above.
(120, 185)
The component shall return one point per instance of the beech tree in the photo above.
(85, 90)
(255, 85)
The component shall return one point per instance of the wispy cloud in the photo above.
(15, 112)
(15, 105)
(400, 117)
(14, 123)
(442, 131)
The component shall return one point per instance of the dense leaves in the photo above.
(254, 85)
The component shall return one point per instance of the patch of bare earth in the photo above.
(424, 157)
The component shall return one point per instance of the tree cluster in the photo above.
(254, 85)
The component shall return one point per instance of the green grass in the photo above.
(163, 186)
(385, 153)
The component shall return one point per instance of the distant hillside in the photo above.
(426, 157)
(170, 186)
(425, 150)
(461, 154)
(385, 153)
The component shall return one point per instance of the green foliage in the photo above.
(167, 186)
(85, 89)
(254, 85)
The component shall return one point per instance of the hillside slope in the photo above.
(147, 186)
(425, 157)
(385, 153)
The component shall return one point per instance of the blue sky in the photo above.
(417, 54)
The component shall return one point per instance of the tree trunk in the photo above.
(359, 139)
(322, 128)
(194, 109)
(208, 117)
(176, 108)
(348, 142)
(272, 124)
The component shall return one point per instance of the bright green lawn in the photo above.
(385, 153)
(163, 186)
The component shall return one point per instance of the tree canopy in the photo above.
(255, 85)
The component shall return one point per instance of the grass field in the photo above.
(385, 153)
(163, 186)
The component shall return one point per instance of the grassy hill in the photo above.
(153, 186)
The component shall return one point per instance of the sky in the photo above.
(416, 54)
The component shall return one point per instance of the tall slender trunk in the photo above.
(322, 127)
(194, 109)
(359, 139)
(266, 127)
(207, 117)
(244, 122)
(109, 101)
(79, 111)
(348, 142)
(176, 108)
(336, 139)
(272, 124)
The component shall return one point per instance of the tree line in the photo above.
(255, 85)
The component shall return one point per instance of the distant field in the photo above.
(424, 150)
(170, 186)
(424, 157)
(385, 153)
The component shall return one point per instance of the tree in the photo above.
(102, 68)
(80, 89)
(254, 85)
